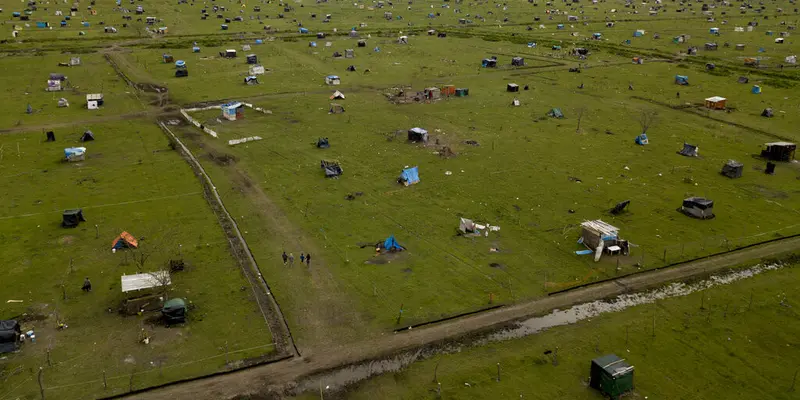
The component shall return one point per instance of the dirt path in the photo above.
(278, 377)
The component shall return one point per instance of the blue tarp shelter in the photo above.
(409, 176)
(390, 244)
(642, 139)
(681, 79)
(180, 64)
(303, 30)
(195, 49)
(756, 89)
(555, 113)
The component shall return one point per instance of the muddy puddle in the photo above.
(339, 379)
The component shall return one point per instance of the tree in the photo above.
(162, 280)
(647, 118)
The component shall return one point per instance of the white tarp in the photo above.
(146, 280)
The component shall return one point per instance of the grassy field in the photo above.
(727, 349)
(131, 181)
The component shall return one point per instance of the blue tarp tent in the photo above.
(303, 30)
(195, 49)
(560, 26)
(555, 113)
(756, 89)
(642, 139)
(409, 176)
(390, 244)
(180, 64)
(259, 41)
(681, 79)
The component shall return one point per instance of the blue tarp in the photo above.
(180, 64)
(195, 49)
(303, 30)
(642, 139)
(74, 151)
(410, 176)
(259, 41)
(390, 244)
(681, 79)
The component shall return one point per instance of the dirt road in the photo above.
(275, 377)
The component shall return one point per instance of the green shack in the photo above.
(611, 375)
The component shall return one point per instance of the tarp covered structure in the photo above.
(322, 143)
(75, 153)
(642, 139)
(336, 108)
(681, 80)
(779, 151)
(698, 207)
(123, 241)
(409, 176)
(767, 113)
(9, 336)
(390, 244)
(331, 168)
(71, 218)
(555, 113)
(689, 150)
(417, 135)
(337, 95)
(174, 311)
(611, 375)
(87, 136)
(733, 169)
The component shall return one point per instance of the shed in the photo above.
(512, 87)
(489, 63)
(716, 103)
(432, 93)
(689, 150)
(145, 281)
(518, 61)
(449, 90)
(611, 375)
(779, 151)
(174, 311)
(97, 98)
(409, 176)
(733, 169)
(232, 111)
(71, 218)
(417, 135)
(698, 207)
(229, 53)
(593, 233)
(10, 332)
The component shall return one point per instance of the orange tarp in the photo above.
(128, 238)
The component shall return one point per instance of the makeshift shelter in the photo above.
(62, 102)
(124, 241)
(402, 40)
(391, 245)
(54, 85)
(332, 168)
(733, 169)
(489, 63)
(515, 102)
(642, 139)
(174, 311)
(332, 80)
(71, 218)
(751, 61)
(756, 89)
(600, 236)
(229, 53)
(51, 136)
(767, 113)
(232, 111)
(252, 59)
(462, 92)
(637, 60)
(180, 64)
(681, 80)
(94, 99)
(619, 207)
(779, 151)
(362, 43)
(711, 46)
(409, 176)
(518, 61)
(256, 70)
(349, 53)
(336, 108)
(698, 207)
(73, 154)
(10, 332)
(87, 136)
(555, 113)
(743, 79)
(432, 93)
(337, 95)
(716, 103)
(512, 87)
(145, 281)
(251, 80)
(322, 143)
(448, 90)
(167, 58)
(689, 150)
(181, 73)
(611, 375)
(417, 135)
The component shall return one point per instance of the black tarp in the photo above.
(87, 136)
(51, 136)
(9, 335)
(322, 143)
(71, 218)
(174, 311)
(331, 168)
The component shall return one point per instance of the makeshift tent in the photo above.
(181, 73)
(71, 218)
(349, 53)
(642, 139)
(756, 89)
(337, 95)
(331, 168)
(448, 90)
(362, 43)
(167, 58)
(51, 136)
(336, 109)
(515, 103)
(251, 80)
(95, 97)
(391, 245)
(467, 226)
(402, 40)
(87, 136)
(462, 92)
(716, 103)
(252, 59)
(351, 68)
(123, 241)
(256, 70)
(417, 135)
(75, 153)
(733, 169)
(767, 113)
(332, 80)
(512, 87)
(743, 79)
(698, 207)
(233, 111)
(229, 53)
(620, 207)
(681, 79)
(555, 113)
(9, 336)
(174, 311)
(489, 63)
(611, 375)
(779, 151)
(322, 143)
(432, 93)
(689, 150)
(518, 61)
(62, 102)
(409, 176)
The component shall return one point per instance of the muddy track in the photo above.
(281, 379)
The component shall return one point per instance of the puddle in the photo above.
(338, 379)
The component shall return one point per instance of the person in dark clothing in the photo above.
(308, 259)
(87, 285)
(678, 95)
(285, 258)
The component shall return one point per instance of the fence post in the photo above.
(105, 382)
(41, 383)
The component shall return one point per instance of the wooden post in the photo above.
(725, 315)
(664, 258)
(498, 372)
(438, 390)
(226, 353)
(105, 382)
(96, 231)
(41, 382)
(320, 391)
(130, 381)
(436, 371)
(491, 299)
(545, 281)
(794, 380)
(703, 301)
(49, 364)
(399, 315)
(71, 269)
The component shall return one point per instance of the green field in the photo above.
(535, 176)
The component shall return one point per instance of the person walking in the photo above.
(87, 285)
(291, 259)
(308, 259)
(302, 258)
(285, 258)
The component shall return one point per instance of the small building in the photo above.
(232, 111)
(600, 237)
(332, 80)
(681, 80)
(733, 169)
(512, 87)
(518, 61)
(229, 53)
(611, 375)
(432, 93)
(417, 135)
(94, 101)
(698, 207)
(716, 103)
(779, 151)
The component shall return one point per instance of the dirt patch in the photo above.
(66, 240)
(219, 158)
(150, 87)
(756, 190)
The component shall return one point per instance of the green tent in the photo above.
(555, 113)
(174, 311)
(611, 375)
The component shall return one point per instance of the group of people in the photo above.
(289, 259)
